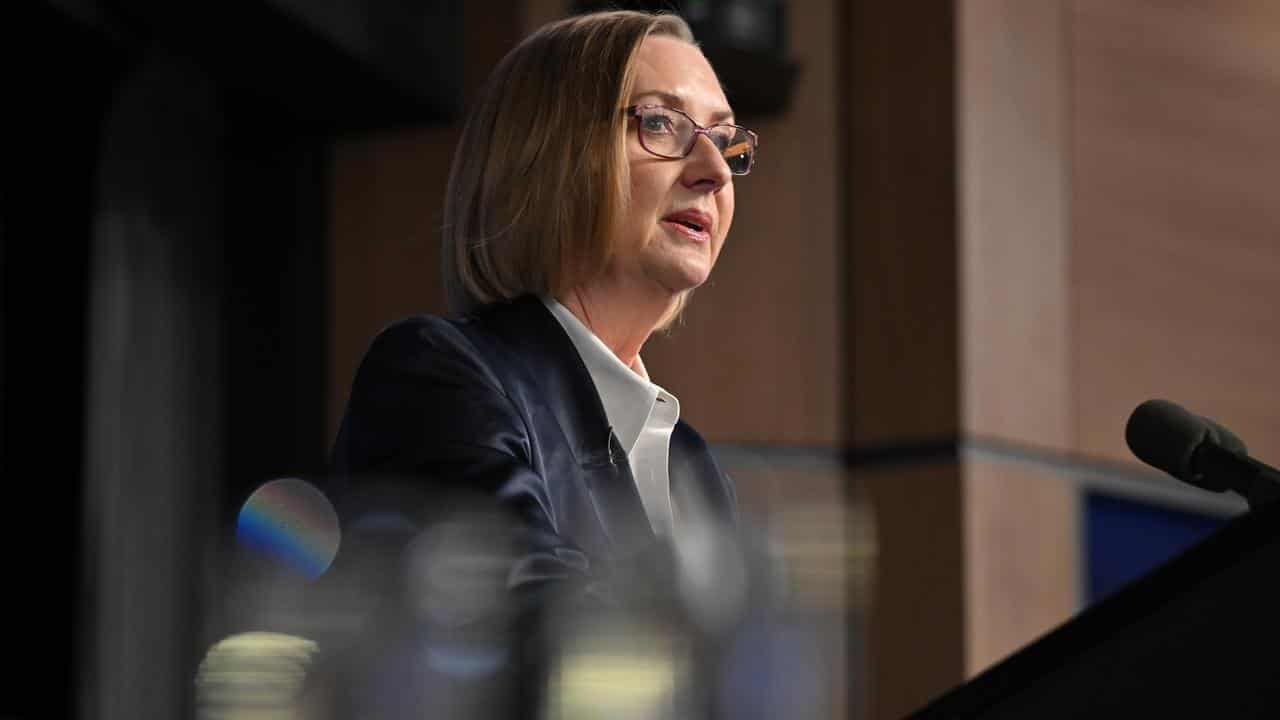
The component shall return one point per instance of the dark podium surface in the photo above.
(1197, 637)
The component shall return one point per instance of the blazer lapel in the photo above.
(617, 500)
(559, 381)
(700, 491)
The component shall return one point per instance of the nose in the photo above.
(705, 168)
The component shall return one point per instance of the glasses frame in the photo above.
(633, 111)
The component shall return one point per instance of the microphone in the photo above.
(1199, 451)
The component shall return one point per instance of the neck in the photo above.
(622, 321)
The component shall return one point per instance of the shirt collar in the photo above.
(628, 398)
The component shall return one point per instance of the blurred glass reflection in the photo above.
(829, 554)
(417, 618)
(253, 676)
(456, 569)
(714, 579)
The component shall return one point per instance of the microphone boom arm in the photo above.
(1257, 482)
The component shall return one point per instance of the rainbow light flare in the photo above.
(292, 521)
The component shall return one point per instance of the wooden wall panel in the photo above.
(540, 12)
(757, 358)
(902, 349)
(387, 198)
(1012, 118)
(915, 644)
(1021, 535)
(1022, 555)
(1175, 225)
(901, 263)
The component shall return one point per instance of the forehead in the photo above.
(670, 65)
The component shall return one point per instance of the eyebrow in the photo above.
(678, 102)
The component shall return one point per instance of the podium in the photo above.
(1197, 637)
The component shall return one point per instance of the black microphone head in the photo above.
(1165, 435)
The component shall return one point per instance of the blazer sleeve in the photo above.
(424, 404)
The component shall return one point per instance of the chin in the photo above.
(677, 269)
(681, 272)
(684, 279)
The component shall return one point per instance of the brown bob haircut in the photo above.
(540, 179)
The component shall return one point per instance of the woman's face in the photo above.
(657, 252)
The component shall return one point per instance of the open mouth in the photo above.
(693, 222)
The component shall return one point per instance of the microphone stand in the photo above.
(1217, 468)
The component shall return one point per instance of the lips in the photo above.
(694, 224)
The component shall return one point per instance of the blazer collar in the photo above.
(552, 365)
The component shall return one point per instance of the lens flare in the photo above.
(292, 522)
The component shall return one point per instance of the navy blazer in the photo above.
(499, 402)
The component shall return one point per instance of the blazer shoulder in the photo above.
(436, 345)
(417, 333)
(424, 387)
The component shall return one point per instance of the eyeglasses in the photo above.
(669, 133)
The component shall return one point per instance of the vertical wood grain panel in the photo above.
(1012, 117)
(916, 629)
(1021, 556)
(1176, 229)
(902, 316)
(540, 12)
(387, 198)
(901, 287)
(1021, 563)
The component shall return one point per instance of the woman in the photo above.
(591, 192)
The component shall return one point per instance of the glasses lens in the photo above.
(737, 148)
(665, 132)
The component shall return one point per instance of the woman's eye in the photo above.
(656, 124)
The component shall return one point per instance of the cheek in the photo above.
(637, 215)
(647, 176)
(647, 192)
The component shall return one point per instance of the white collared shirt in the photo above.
(641, 414)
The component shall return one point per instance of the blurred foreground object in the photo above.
(416, 618)
(621, 669)
(253, 676)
